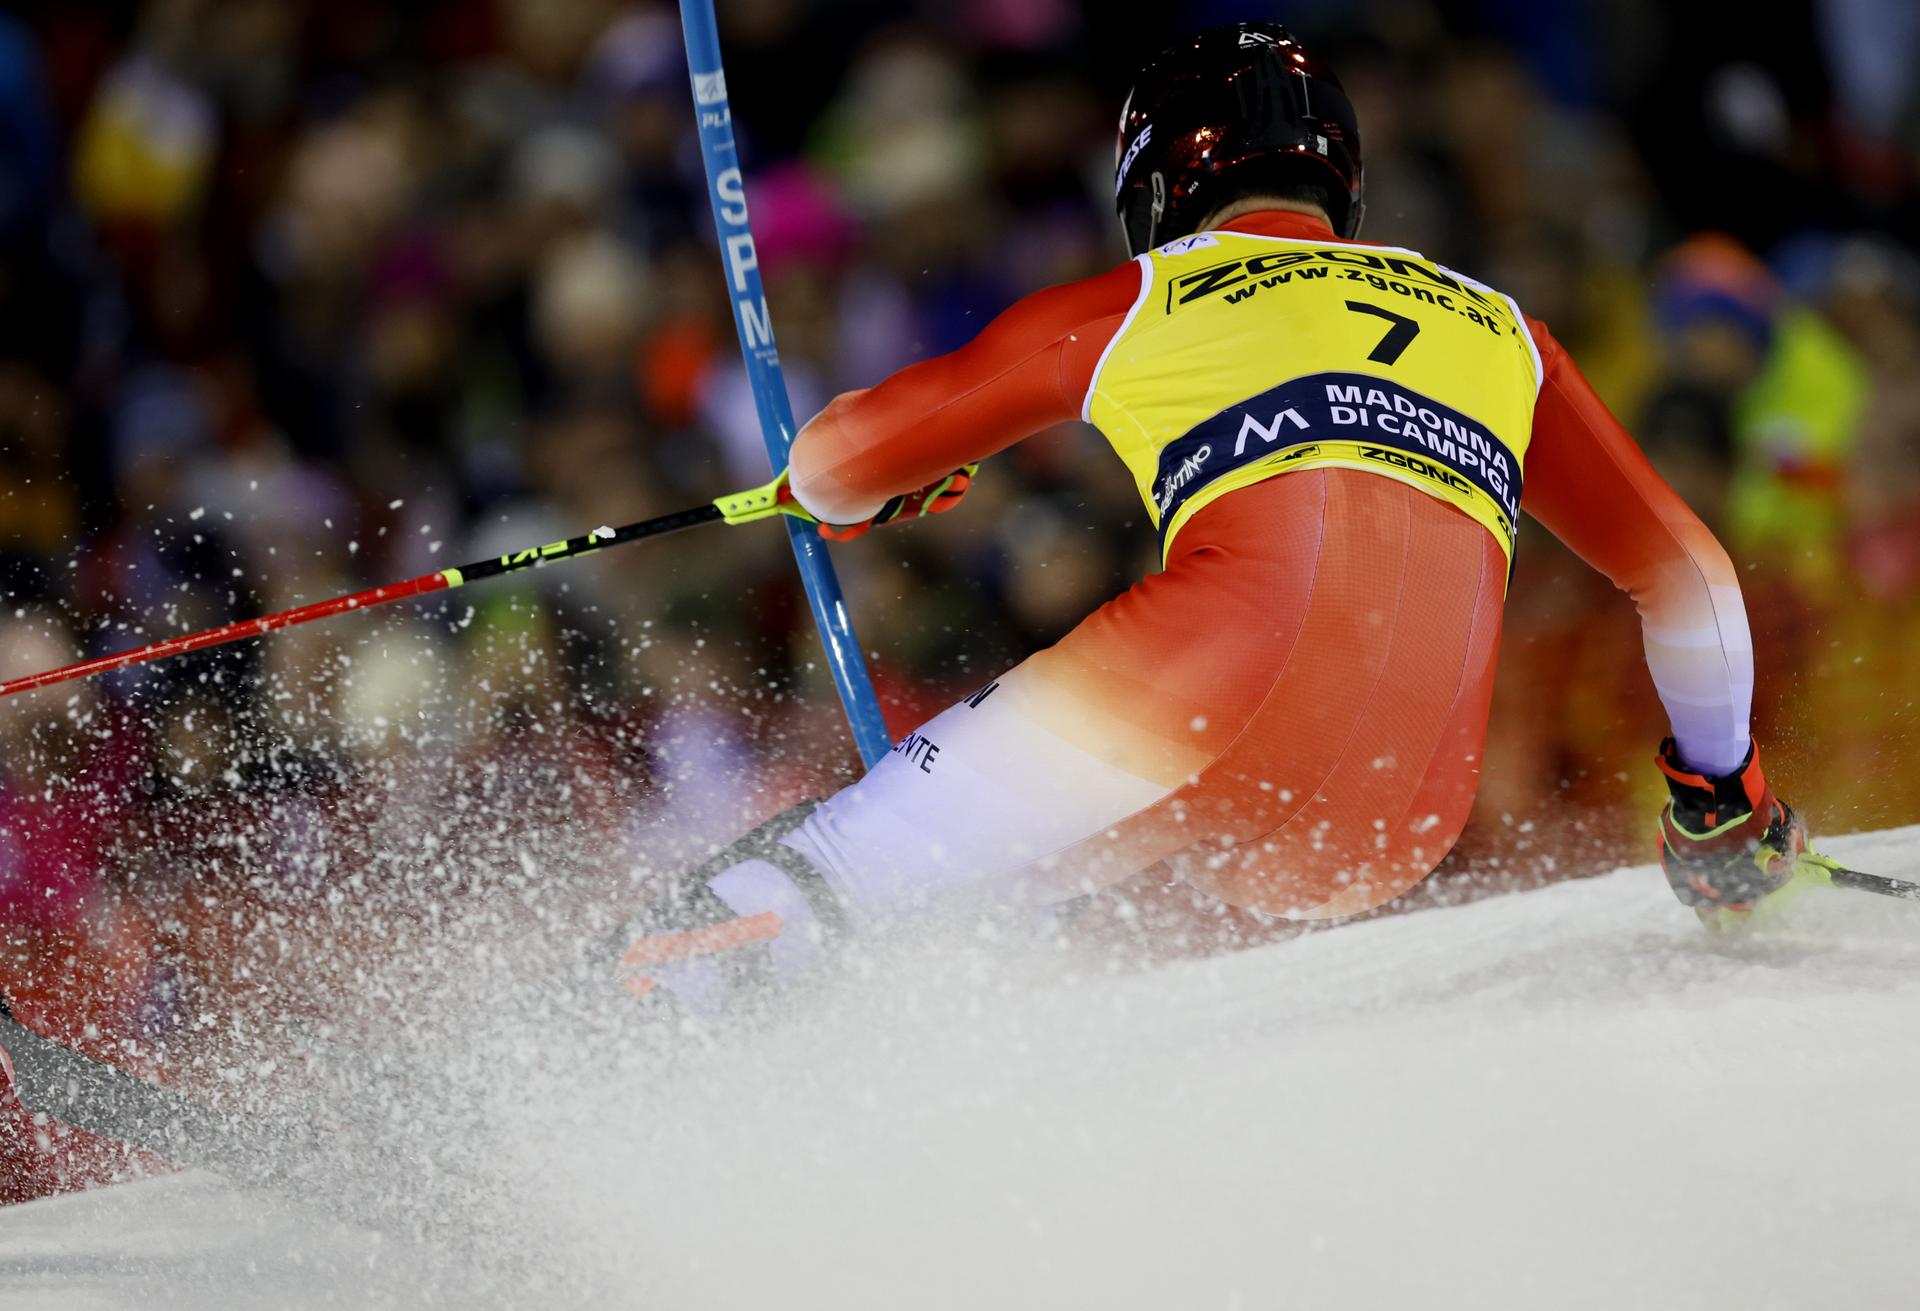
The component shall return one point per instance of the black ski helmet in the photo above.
(1245, 102)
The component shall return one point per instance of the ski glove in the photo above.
(1725, 842)
(935, 498)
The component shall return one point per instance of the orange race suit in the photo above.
(1333, 440)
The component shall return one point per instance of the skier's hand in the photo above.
(1725, 842)
(935, 498)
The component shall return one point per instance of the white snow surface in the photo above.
(1567, 1098)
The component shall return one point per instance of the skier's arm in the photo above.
(1026, 371)
(1589, 484)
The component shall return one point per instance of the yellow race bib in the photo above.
(1247, 357)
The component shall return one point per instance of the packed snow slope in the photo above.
(1567, 1098)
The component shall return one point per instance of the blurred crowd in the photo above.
(298, 297)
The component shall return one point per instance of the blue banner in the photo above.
(1382, 419)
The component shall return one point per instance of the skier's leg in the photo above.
(975, 795)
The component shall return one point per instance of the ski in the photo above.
(53, 1080)
(314, 1153)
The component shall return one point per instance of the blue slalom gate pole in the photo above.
(727, 191)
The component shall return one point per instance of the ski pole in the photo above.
(740, 507)
(727, 191)
(1831, 873)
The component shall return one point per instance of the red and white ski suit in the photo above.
(1293, 710)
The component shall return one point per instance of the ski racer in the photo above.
(1334, 440)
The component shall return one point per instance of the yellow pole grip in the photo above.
(757, 503)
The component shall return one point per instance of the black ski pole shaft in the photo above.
(1824, 869)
